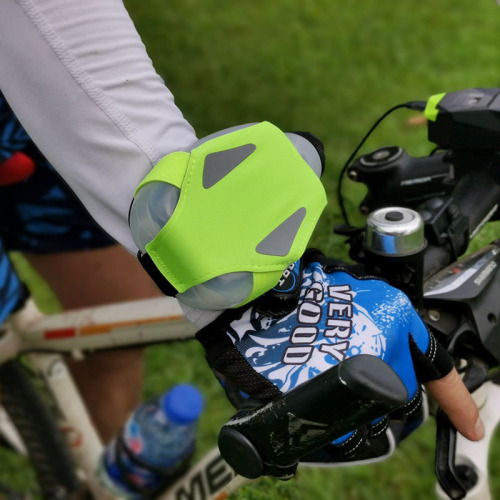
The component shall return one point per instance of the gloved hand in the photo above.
(257, 356)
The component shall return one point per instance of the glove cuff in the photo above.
(224, 358)
(433, 364)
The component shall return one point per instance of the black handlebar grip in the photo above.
(271, 440)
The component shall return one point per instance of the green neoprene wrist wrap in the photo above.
(248, 202)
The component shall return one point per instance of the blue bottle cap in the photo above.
(182, 404)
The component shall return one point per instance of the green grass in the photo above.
(332, 68)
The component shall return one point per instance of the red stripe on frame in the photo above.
(59, 334)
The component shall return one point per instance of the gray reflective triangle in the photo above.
(279, 241)
(219, 164)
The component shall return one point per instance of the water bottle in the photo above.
(155, 445)
(155, 203)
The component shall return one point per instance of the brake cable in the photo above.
(415, 105)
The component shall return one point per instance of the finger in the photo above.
(453, 397)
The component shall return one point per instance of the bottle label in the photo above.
(111, 484)
(133, 437)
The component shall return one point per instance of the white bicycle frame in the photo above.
(45, 338)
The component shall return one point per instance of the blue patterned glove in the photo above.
(257, 356)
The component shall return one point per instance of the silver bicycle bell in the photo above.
(394, 247)
(394, 231)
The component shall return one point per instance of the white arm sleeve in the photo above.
(78, 77)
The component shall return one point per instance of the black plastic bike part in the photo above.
(447, 472)
(402, 272)
(446, 231)
(355, 237)
(450, 223)
(395, 178)
(272, 439)
(471, 287)
(47, 451)
(445, 224)
(475, 376)
(467, 119)
(477, 195)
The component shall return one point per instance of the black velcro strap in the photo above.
(225, 359)
(161, 282)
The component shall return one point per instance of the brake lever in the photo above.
(446, 471)
(455, 480)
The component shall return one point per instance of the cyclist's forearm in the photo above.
(80, 81)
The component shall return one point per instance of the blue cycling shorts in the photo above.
(40, 214)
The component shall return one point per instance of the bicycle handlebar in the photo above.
(477, 196)
(451, 223)
(455, 192)
(272, 439)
